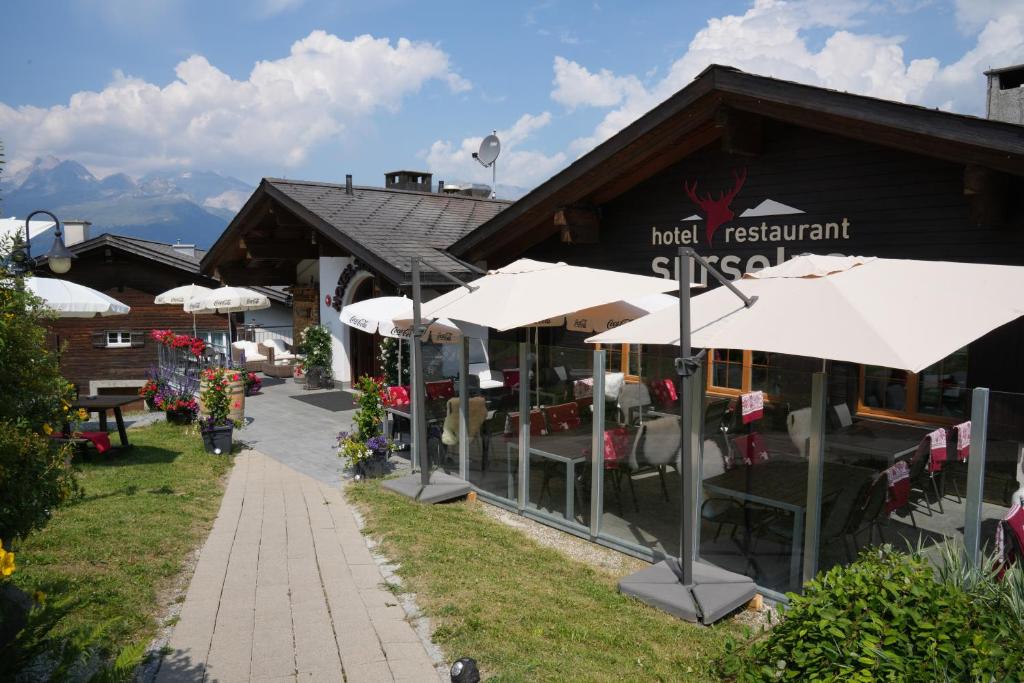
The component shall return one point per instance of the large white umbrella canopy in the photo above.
(525, 292)
(227, 300)
(612, 314)
(181, 295)
(72, 300)
(894, 313)
(378, 316)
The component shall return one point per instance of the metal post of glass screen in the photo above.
(696, 466)
(597, 446)
(815, 473)
(524, 426)
(976, 474)
(464, 408)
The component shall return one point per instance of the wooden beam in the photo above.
(263, 275)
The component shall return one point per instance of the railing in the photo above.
(261, 333)
(181, 369)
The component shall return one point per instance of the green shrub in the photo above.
(316, 347)
(889, 617)
(34, 479)
(368, 420)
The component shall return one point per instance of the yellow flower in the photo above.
(47, 429)
(7, 564)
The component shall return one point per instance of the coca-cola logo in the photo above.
(362, 323)
(612, 324)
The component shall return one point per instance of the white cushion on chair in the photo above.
(251, 350)
(489, 379)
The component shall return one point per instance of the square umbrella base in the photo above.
(714, 593)
(441, 487)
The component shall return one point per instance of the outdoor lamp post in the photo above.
(58, 258)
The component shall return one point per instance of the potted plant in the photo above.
(180, 408)
(217, 427)
(316, 356)
(365, 449)
(252, 383)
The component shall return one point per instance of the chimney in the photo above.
(187, 250)
(1006, 94)
(348, 184)
(76, 230)
(415, 181)
(440, 187)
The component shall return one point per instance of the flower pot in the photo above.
(178, 417)
(150, 403)
(217, 440)
(372, 468)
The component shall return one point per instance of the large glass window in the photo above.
(939, 390)
(727, 369)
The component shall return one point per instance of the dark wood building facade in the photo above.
(112, 354)
(750, 171)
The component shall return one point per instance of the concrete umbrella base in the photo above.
(715, 592)
(441, 487)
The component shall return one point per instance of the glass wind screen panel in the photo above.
(493, 453)
(885, 388)
(613, 357)
(634, 362)
(727, 368)
(884, 483)
(942, 388)
(641, 445)
(1004, 478)
(754, 491)
(561, 437)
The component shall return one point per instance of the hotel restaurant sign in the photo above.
(765, 228)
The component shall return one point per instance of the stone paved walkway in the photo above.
(286, 590)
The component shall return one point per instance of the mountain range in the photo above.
(166, 206)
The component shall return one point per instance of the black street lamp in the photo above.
(58, 258)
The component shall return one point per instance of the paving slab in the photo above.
(285, 590)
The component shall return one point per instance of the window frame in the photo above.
(124, 339)
(910, 415)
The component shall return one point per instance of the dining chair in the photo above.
(924, 474)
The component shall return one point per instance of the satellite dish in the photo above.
(490, 148)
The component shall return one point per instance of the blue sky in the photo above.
(319, 89)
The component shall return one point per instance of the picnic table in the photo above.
(883, 441)
(101, 404)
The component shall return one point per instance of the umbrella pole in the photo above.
(685, 366)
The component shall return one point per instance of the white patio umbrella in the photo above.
(182, 295)
(890, 312)
(72, 300)
(612, 314)
(894, 313)
(377, 316)
(526, 291)
(227, 300)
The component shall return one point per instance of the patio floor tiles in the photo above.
(285, 589)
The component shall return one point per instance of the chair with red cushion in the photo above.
(440, 390)
(537, 426)
(511, 377)
(751, 450)
(398, 396)
(1010, 536)
(925, 472)
(564, 417)
(664, 393)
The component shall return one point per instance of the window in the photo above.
(727, 370)
(119, 339)
(216, 338)
(939, 391)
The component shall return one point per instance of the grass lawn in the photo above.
(523, 611)
(112, 552)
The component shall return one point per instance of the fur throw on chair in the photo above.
(477, 415)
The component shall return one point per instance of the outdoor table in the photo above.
(783, 485)
(568, 448)
(100, 405)
(435, 411)
(883, 441)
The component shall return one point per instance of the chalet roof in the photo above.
(696, 115)
(163, 253)
(382, 227)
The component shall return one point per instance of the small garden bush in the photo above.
(316, 347)
(365, 446)
(891, 616)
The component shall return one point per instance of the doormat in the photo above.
(334, 401)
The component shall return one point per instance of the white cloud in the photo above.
(771, 39)
(576, 86)
(205, 118)
(516, 166)
(229, 199)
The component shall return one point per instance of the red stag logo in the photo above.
(717, 211)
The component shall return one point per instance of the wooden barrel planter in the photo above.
(236, 397)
